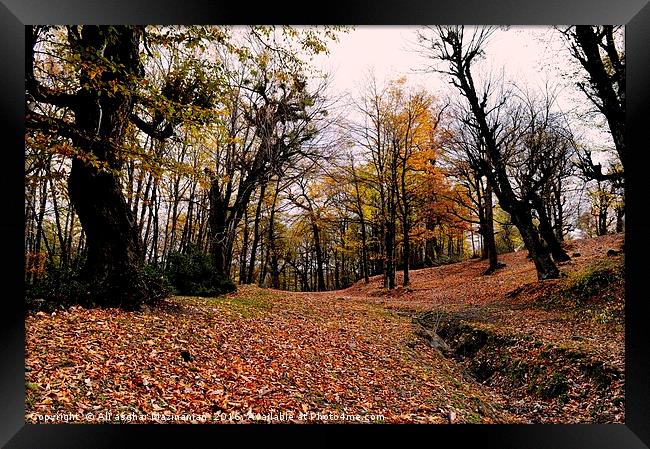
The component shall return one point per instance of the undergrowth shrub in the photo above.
(157, 282)
(60, 288)
(56, 289)
(192, 273)
(594, 280)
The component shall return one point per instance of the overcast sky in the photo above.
(529, 56)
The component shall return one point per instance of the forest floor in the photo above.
(456, 346)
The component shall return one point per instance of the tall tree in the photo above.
(371, 133)
(469, 160)
(412, 130)
(451, 46)
(313, 205)
(108, 68)
(359, 209)
(599, 51)
(94, 97)
(272, 116)
(544, 146)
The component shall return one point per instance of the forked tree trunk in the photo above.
(115, 251)
(545, 267)
(546, 231)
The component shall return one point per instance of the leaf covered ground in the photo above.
(556, 349)
(352, 355)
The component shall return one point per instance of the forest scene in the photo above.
(325, 224)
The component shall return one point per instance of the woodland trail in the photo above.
(253, 352)
(353, 355)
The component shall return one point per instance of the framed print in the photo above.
(371, 213)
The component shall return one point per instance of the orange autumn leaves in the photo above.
(414, 119)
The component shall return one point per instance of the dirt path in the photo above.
(348, 355)
(253, 352)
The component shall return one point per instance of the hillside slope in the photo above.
(456, 347)
(524, 333)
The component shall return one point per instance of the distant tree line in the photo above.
(196, 158)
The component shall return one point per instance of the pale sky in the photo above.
(523, 52)
(529, 56)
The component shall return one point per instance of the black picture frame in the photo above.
(15, 14)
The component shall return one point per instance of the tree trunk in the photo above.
(145, 203)
(170, 228)
(188, 226)
(389, 248)
(481, 218)
(218, 231)
(275, 270)
(304, 275)
(620, 212)
(256, 235)
(224, 219)
(153, 257)
(546, 231)
(270, 247)
(545, 267)
(364, 252)
(244, 251)
(80, 251)
(488, 238)
(272, 250)
(264, 256)
(471, 236)
(59, 229)
(320, 279)
(67, 230)
(150, 208)
(362, 224)
(41, 216)
(559, 212)
(407, 249)
(115, 251)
